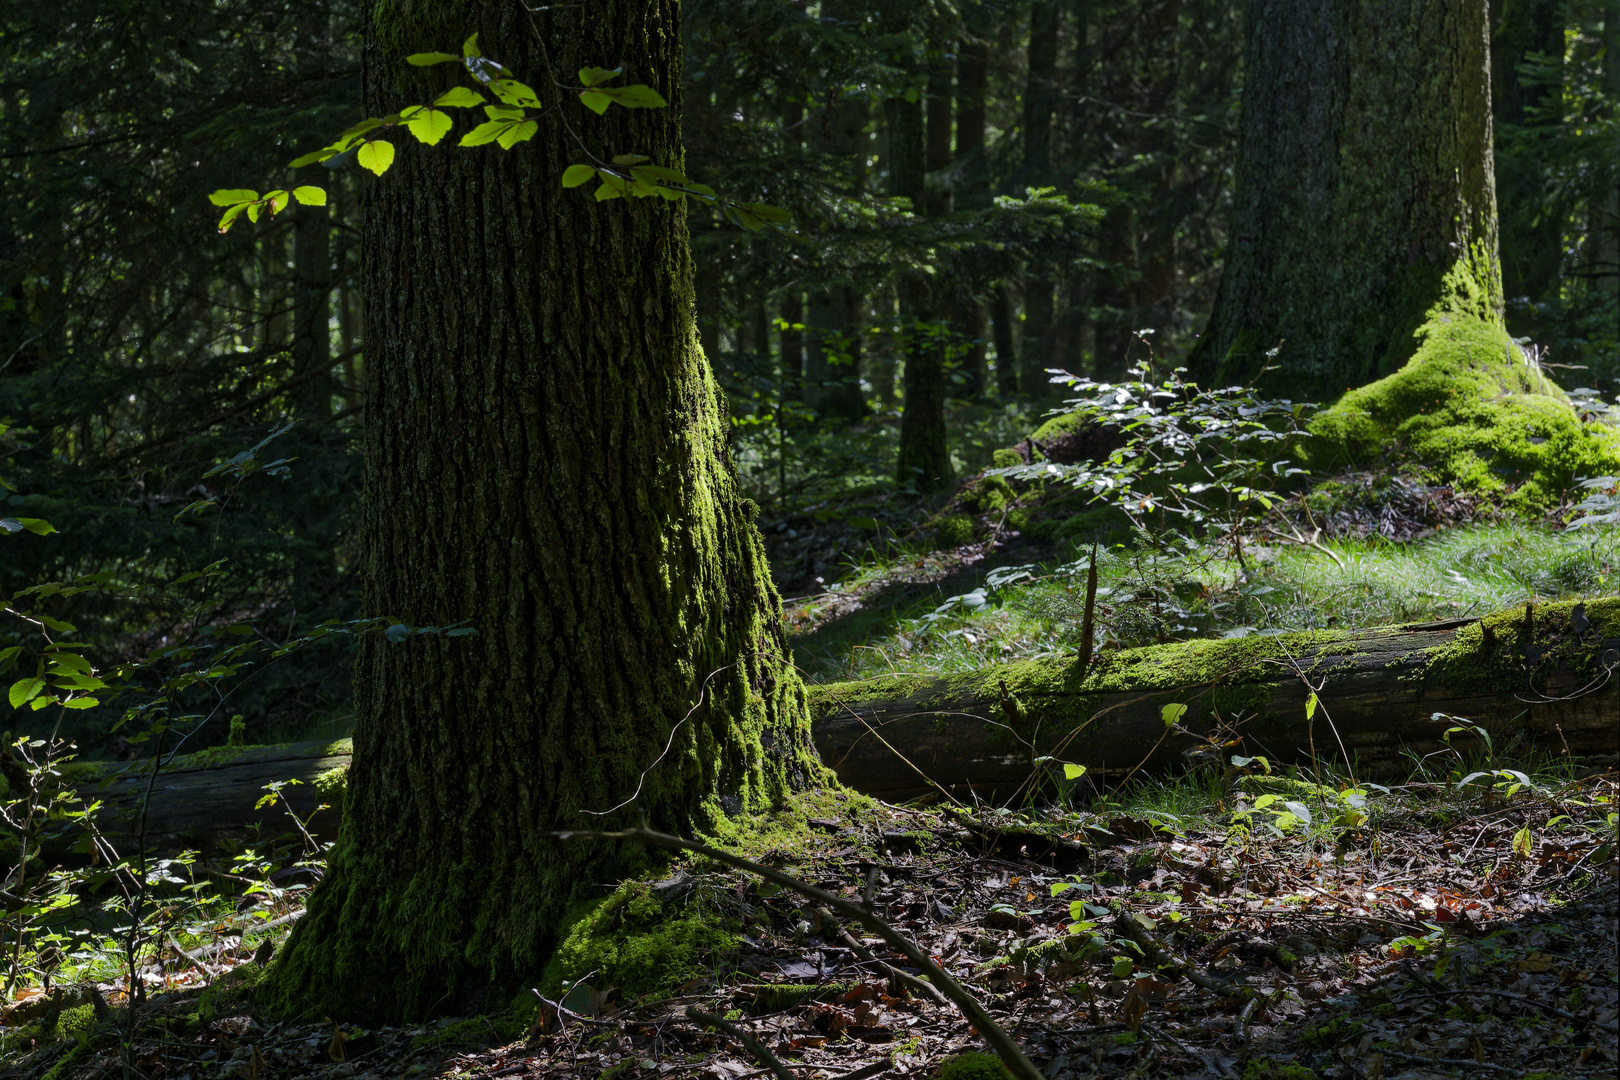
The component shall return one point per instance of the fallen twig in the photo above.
(921, 986)
(755, 1047)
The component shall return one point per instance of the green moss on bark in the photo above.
(1469, 406)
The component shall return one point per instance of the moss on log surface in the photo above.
(1552, 676)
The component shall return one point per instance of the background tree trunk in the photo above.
(546, 464)
(1532, 238)
(1365, 196)
(924, 460)
(1039, 100)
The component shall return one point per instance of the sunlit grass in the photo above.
(1145, 596)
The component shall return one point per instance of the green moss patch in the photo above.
(1468, 406)
(973, 1066)
(635, 942)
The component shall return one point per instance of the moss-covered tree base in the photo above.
(1472, 408)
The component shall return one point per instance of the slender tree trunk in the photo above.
(972, 79)
(1039, 99)
(546, 465)
(1003, 328)
(925, 458)
(1532, 237)
(1365, 198)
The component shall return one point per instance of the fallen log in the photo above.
(1544, 678)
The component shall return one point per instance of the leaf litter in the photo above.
(1449, 935)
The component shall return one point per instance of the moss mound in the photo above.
(972, 1066)
(631, 940)
(1468, 406)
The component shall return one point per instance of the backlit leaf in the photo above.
(1173, 713)
(516, 133)
(278, 200)
(575, 175)
(310, 195)
(81, 703)
(1073, 772)
(429, 125)
(376, 155)
(514, 93)
(232, 196)
(470, 47)
(428, 59)
(590, 76)
(24, 691)
(595, 100)
(231, 215)
(483, 133)
(1310, 706)
(460, 97)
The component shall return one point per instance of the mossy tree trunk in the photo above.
(1365, 198)
(546, 463)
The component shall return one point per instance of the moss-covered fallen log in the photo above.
(1545, 677)
(1549, 677)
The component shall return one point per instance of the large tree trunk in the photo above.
(1365, 198)
(1385, 695)
(546, 465)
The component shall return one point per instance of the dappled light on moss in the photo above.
(1469, 405)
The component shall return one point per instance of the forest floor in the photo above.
(1179, 929)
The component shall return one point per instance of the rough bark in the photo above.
(546, 465)
(1365, 196)
(1378, 691)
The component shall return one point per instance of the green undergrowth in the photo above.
(1458, 573)
(1471, 406)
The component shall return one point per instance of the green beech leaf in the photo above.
(516, 133)
(310, 195)
(232, 196)
(254, 210)
(311, 158)
(459, 97)
(37, 526)
(81, 703)
(1073, 772)
(575, 175)
(638, 96)
(590, 76)
(377, 155)
(504, 112)
(486, 132)
(429, 125)
(607, 191)
(355, 132)
(278, 200)
(57, 624)
(470, 47)
(1173, 713)
(231, 215)
(1310, 706)
(630, 159)
(514, 93)
(595, 100)
(428, 59)
(25, 691)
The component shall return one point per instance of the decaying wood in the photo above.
(1555, 688)
(1382, 702)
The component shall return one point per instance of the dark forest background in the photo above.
(1015, 186)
